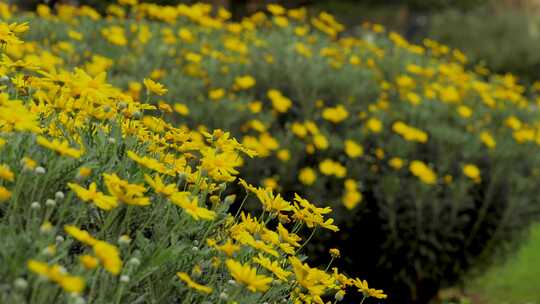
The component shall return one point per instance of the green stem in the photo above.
(307, 241)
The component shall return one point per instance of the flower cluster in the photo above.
(410, 139)
(105, 199)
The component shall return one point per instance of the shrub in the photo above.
(430, 167)
(485, 36)
(103, 201)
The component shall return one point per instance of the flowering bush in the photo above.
(431, 168)
(102, 201)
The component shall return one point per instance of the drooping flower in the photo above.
(192, 284)
(61, 147)
(56, 274)
(101, 200)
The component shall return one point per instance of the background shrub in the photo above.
(506, 41)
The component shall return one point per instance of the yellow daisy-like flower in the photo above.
(154, 87)
(472, 172)
(5, 194)
(191, 206)
(101, 200)
(247, 276)
(192, 284)
(423, 172)
(6, 173)
(61, 147)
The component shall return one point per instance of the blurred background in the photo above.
(504, 35)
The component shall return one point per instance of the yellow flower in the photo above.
(334, 252)
(88, 261)
(423, 172)
(320, 142)
(247, 276)
(409, 133)
(125, 192)
(307, 176)
(351, 199)
(330, 167)
(336, 114)
(396, 163)
(279, 102)
(374, 125)
(158, 185)
(314, 280)
(228, 248)
(127, 2)
(284, 155)
(109, 256)
(61, 147)
(216, 94)
(55, 273)
(311, 215)
(5, 194)
(101, 200)
(181, 109)
(150, 163)
(165, 107)
(368, 292)
(6, 173)
(154, 87)
(192, 284)
(488, 140)
(8, 32)
(80, 235)
(46, 227)
(28, 163)
(299, 129)
(272, 266)
(75, 35)
(220, 166)
(276, 9)
(191, 206)
(84, 172)
(271, 202)
(513, 122)
(472, 172)
(185, 35)
(353, 149)
(115, 35)
(244, 82)
(15, 115)
(464, 111)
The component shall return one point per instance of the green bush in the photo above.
(506, 41)
(431, 168)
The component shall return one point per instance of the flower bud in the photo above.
(20, 283)
(50, 203)
(223, 296)
(59, 195)
(134, 261)
(40, 170)
(124, 279)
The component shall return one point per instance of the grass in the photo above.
(515, 282)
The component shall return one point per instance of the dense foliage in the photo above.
(431, 168)
(102, 201)
(485, 34)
